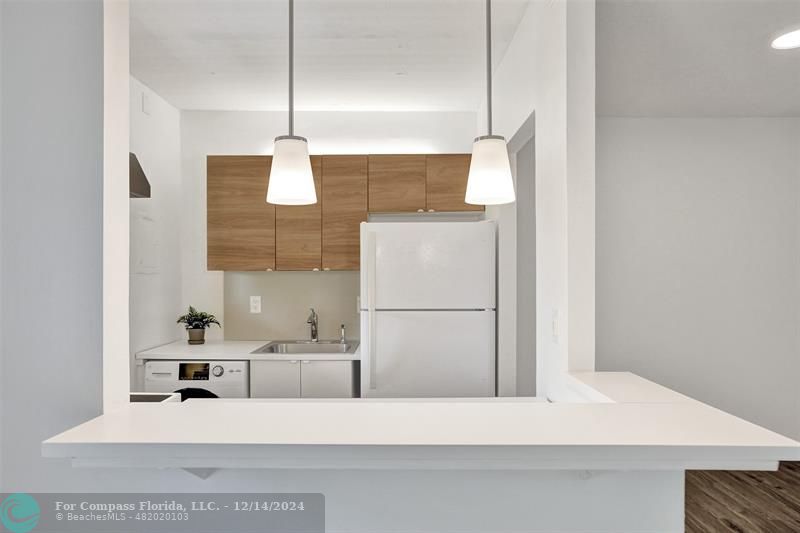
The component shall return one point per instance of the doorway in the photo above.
(526, 269)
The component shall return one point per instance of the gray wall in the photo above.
(698, 260)
(1, 245)
(50, 215)
(526, 270)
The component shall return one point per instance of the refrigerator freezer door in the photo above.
(428, 354)
(428, 265)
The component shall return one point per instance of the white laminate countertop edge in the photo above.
(225, 350)
(624, 387)
(647, 429)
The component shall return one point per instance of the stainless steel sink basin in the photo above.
(301, 347)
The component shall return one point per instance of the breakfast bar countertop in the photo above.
(634, 424)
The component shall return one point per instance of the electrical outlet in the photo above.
(255, 304)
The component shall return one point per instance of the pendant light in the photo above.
(291, 181)
(489, 181)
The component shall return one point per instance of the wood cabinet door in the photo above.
(396, 183)
(344, 208)
(240, 223)
(447, 183)
(298, 239)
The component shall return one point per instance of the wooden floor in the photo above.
(744, 502)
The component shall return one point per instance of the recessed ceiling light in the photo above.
(787, 41)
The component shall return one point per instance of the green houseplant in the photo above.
(196, 323)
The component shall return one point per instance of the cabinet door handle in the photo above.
(294, 362)
(315, 269)
(420, 210)
(431, 210)
(305, 362)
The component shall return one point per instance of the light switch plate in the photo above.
(145, 103)
(255, 304)
(555, 326)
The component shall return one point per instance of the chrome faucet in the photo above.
(342, 337)
(312, 321)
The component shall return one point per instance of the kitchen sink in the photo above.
(301, 347)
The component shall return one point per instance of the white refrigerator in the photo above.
(428, 309)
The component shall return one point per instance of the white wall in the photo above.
(155, 262)
(116, 208)
(240, 132)
(580, 173)
(698, 260)
(506, 218)
(548, 72)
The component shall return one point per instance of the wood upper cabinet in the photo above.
(396, 183)
(240, 223)
(246, 233)
(447, 183)
(344, 208)
(298, 241)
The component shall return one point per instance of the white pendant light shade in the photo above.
(490, 181)
(787, 41)
(291, 181)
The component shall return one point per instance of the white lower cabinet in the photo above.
(303, 379)
(274, 379)
(326, 379)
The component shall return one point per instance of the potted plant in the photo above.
(196, 323)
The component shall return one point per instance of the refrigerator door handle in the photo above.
(372, 259)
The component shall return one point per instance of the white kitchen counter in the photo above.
(234, 350)
(644, 428)
(614, 462)
(622, 387)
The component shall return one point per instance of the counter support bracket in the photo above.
(202, 473)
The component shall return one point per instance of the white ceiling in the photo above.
(349, 54)
(696, 58)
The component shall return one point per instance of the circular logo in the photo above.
(19, 512)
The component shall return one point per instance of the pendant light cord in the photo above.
(291, 67)
(488, 65)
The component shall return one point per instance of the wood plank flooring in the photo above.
(744, 502)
